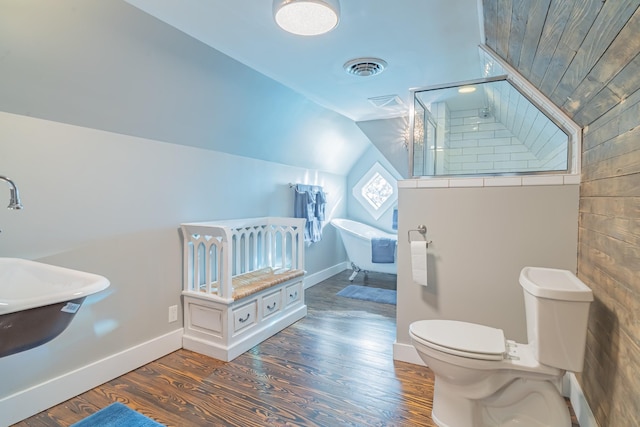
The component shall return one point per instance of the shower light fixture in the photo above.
(466, 89)
(306, 17)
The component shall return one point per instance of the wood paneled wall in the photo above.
(584, 55)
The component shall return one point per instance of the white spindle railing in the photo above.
(216, 251)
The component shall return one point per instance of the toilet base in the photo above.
(522, 402)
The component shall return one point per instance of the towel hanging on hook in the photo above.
(309, 203)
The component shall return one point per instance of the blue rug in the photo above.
(117, 415)
(385, 296)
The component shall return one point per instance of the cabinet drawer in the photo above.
(271, 304)
(205, 319)
(293, 293)
(245, 316)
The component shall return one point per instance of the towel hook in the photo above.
(422, 229)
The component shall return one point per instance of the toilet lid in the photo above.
(461, 338)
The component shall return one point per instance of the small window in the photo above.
(376, 190)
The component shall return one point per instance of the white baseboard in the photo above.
(28, 402)
(407, 353)
(579, 403)
(315, 278)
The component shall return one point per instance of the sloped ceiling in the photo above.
(390, 138)
(423, 42)
(583, 55)
(108, 65)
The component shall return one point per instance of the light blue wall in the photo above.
(111, 204)
(118, 128)
(108, 65)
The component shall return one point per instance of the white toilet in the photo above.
(483, 379)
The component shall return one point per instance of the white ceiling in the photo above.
(424, 42)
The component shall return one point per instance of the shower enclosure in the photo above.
(484, 127)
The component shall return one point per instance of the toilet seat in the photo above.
(462, 339)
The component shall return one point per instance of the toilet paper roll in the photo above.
(419, 262)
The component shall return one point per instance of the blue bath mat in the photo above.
(385, 296)
(117, 415)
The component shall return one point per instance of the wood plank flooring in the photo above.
(332, 368)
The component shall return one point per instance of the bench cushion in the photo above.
(255, 281)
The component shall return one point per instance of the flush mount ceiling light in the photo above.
(466, 89)
(365, 67)
(306, 17)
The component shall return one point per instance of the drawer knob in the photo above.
(241, 320)
(294, 295)
(272, 306)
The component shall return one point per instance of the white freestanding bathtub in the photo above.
(356, 238)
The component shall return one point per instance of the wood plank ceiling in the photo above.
(583, 55)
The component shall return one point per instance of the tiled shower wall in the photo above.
(479, 144)
(473, 142)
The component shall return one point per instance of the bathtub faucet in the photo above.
(14, 195)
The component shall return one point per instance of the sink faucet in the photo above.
(14, 196)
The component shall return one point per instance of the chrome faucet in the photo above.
(14, 195)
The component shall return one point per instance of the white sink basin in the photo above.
(26, 284)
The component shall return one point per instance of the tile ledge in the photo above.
(501, 181)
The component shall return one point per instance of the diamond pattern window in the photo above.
(376, 190)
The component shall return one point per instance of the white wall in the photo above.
(482, 238)
(111, 204)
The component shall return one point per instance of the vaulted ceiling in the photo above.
(423, 43)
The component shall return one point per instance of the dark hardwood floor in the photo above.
(332, 368)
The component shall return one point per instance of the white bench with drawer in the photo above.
(243, 282)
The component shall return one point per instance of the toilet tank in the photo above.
(557, 309)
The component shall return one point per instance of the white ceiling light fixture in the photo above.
(306, 17)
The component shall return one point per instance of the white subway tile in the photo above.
(543, 180)
(493, 157)
(506, 141)
(523, 156)
(464, 143)
(480, 135)
(463, 158)
(477, 166)
(511, 149)
(466, 128)
(466, 182)
(503, 133)
(478, 150)
(490, 126)
(511, 165)
(472, 120)
(433, 183)
(408, 183)
(503, 181)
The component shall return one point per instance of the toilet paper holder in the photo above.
(422, 229)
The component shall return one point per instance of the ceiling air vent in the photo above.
(365, 67)
(387, 102)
